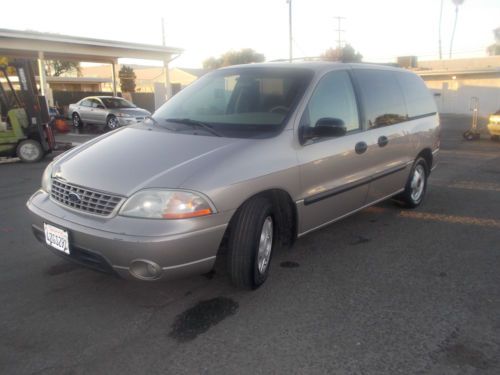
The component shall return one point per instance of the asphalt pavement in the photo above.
(385, 291)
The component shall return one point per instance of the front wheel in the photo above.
(77, 121)
(112, 123)
(29, 151)
(251, 242)
(416, 186)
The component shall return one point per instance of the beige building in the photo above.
(78, 83)
(456, 82)
(147, 76)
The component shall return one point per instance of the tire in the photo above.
(251, 242)
(469, 135)
(416, 186)
(77, 121)
(29, 151)
(112, 123)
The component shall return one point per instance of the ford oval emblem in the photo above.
(74, 198)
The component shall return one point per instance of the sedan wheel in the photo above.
(112, 122)
(77, 122)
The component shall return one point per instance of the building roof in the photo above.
(195, 72)
(78, 79)
(471, 66)
(58, 46)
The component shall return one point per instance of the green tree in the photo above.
(56, 68)
(243, 56)
(127, 79)
(346, 54)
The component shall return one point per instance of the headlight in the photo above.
(166, 204)
(121, 114)
(47, 179)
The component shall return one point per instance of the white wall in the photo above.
(456, 94)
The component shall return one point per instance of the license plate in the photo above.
(57, 238)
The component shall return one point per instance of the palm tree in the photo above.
(457, 4)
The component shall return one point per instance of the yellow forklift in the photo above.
(25, 131)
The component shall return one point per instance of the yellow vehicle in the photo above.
(494, 126)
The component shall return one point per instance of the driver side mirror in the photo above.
(326, 127)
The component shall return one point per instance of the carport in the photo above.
(45, 46)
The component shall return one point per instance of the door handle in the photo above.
(383, 141)
(361, 147)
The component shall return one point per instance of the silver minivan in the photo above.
(246, 159)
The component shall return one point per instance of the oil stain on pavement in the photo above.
(61, 268)
(289, 264)
(199, 318)
(360, 240)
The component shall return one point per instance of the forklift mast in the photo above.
(35, 104)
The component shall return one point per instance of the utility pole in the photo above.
(339, 31)
(457, 4)
(290, 39)
(166, 73)
(440, 22)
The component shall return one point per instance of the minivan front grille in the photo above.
(83, 199)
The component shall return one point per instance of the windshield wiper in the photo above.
(157, 123)
(152, 119)
(200, 124)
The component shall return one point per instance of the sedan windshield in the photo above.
(116, 103)
(238, 102)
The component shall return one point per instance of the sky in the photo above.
(380, 30)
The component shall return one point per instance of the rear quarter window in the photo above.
(419, 100)
(382, 97)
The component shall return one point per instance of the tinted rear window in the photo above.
(382, 97)
(419, 100)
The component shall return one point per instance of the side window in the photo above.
(85, 103)
(382, 98)
(333, 97)
(95, 103)
(419, 100)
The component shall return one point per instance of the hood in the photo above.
(135, 158)
(130, 111)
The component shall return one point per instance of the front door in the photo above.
(84, 110)
(97, 115)
(333, 171)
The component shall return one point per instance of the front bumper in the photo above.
(179, 248)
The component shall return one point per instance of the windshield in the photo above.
(239, 102)
(116, 103)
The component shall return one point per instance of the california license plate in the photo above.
(56, 238)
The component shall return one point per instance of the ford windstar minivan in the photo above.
(250, 156)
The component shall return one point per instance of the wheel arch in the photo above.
(286, 215)
(426, 154)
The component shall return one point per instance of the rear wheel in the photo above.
(251, 242)
(77, 121)
(416, 186)
(29, 151)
